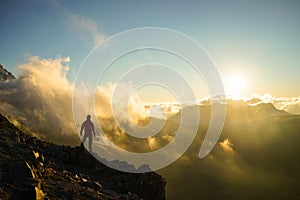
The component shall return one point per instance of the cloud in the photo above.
(152, 142)
(291, 105)
(86, 27)
(226, 145)
(124, 105)
(40, 101)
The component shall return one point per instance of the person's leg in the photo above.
(83, 140)
(90, 142)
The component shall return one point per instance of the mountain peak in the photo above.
(5, 75)
(269, 109)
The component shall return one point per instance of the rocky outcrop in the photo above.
(34, 169)
(5, 75)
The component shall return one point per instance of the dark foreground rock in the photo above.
(33, 169)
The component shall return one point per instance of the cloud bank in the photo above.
(291, 105)
(40, 101)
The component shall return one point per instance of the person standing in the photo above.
(88, 128)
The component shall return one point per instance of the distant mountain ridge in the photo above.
(255, 157)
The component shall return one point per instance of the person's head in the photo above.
(88, 117)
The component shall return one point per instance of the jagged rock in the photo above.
(5, 75)
(144, 168)
(32, 169)
(117, 164)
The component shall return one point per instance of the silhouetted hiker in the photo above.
(88, 127)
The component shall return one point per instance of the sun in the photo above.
(235, 85)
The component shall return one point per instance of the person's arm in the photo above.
(81, 129)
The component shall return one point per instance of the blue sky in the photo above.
(258, 40)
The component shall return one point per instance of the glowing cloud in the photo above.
(40, 99)
(226, 145)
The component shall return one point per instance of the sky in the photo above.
(254, 44)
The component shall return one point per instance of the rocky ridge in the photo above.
(5, 75)
(34, 169)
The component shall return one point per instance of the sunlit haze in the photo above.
(205, 95)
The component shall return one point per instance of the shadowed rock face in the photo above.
(33, 169)
(5, 75)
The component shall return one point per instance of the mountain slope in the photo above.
(256, 157)
(5, 75)
(30, 169)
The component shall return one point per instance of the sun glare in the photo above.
(235, 86)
